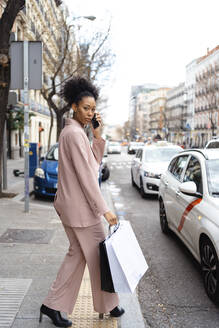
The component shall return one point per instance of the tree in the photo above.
(6, 23)
(166, 122)
(89, 59)
(95, 55)
(15, 121)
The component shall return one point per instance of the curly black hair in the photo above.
(76, 88)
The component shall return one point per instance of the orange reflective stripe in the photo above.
(186, 212)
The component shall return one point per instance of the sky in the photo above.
(153, 42)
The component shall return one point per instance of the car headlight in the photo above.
(152, 175)
(39, 173)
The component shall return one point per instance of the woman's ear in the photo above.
(74, 107)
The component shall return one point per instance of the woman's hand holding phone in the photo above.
(96, 123)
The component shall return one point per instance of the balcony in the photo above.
(197, 109)
(53, 9)
(33, 28)
(49, 53)
(38, 36)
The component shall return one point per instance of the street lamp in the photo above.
(91, 18)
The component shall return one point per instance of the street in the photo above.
(171, 293)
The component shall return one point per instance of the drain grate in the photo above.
(27, 236)
(12, 292)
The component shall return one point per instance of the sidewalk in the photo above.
(31, 253)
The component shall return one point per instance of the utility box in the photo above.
(34, 65)
(33, 161)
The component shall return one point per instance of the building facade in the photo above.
(39, 20)
(206, 115)
(139, 111)
(157, 103)
(190, 83)
(176, 115)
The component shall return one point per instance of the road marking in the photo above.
(118, 205)
(119, 166)
(186, 212)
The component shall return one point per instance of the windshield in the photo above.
(160, 154)
(114, 144)
(213, 176)
(53, 154)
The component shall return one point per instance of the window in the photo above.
(53, 154)
(171, 165)
(177, 167)
(213, 144)
(139, 154)
(193, 173)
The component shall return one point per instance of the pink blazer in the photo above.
(78, 200)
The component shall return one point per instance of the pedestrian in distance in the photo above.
(80, 206)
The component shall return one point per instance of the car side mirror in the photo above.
(189, 188)
(42, 158)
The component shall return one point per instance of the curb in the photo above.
(133, 316)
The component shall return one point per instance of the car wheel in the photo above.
(105, 174)
(210, 270)
(163, 218)
(37, 196)
(142, 192)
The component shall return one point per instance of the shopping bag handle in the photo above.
(114, 228)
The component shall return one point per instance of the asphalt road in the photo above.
(171, 293)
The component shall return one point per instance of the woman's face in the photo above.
(84, 111)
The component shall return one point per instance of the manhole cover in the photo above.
(26, 236)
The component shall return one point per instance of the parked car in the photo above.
(148, 165)
(134, 146)
(189, 206)
(214, 143)
(46, 176)
(104, 170)
(114, 147)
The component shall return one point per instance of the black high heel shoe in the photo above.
(55, 316)
(116, 312)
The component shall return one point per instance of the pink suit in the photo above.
(80, 205)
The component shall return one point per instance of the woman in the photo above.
(80, 205)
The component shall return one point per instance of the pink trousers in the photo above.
(83, 249)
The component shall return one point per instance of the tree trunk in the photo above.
(51, 127)
(3, 106)
(20, 143)
(6, 23)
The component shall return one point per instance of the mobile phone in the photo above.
(94, 121)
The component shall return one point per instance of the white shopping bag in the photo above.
(126, 260)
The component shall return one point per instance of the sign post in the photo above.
(26, 74)
(26, 128)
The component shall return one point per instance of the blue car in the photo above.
(46, 176)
